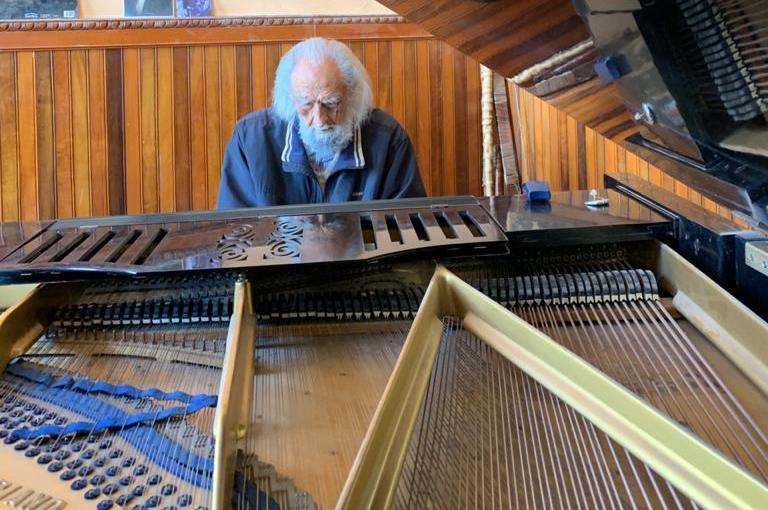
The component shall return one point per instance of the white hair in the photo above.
(358, 97)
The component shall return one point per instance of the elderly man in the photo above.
(320, 141)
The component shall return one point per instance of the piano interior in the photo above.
(445, 352)
(116, 389)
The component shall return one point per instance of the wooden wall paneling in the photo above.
(259, 76)
(97, 127)
(132, 137)
(621, 158)
(424, 118)
(181, 129)
(149, 138)
(553, 149)
(572, 143)
(228, 96)
(458, 100)
(562, 149)
(166, 151)
(243, 76)
(694, 196)
(610, 163)
(439, 169)
(474, 141)
(81, 140)
(547, 136)
(384, 75)
(397, 85)
(557, 156)
(599, 159)
(591, 152)
(447, 126)
(533, 136)
(285, 46)
(227, 106)
(542, 140)
(113, 69)
(27, 115)
(9, 147)
(409, 86)
(213, 122)
(198, 123)
(667, 181)
(62, 134)
(581, 144)
(632, 163)
(643, 169)
(520, 117)
(358, 48)
(538, 170)
(272, 59)
(370, 61)
(46, 174)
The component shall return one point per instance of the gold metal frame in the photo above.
(696, 469)
(235, 394)
(23, 323)
(735, 329)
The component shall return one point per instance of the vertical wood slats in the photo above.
(46, 184)
(87, 132)
(571, 140)
(9, 147)
(64, 199)
(115, 136)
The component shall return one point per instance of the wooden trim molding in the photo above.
(123, 23)
(124, 33)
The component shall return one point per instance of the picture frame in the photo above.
(148, 8)
(194, 8)
(38, 9)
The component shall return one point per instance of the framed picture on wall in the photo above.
(144, 8)
(193, 8)
(38, 9)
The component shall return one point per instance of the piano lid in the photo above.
(692, 72)
(507, 36)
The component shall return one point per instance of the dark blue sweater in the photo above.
(265, 164)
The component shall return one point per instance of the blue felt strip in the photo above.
(114, 423)
(159, 448)
(28, 372)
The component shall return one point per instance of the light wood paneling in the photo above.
(99, 129)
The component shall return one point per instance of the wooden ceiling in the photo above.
(507, 36)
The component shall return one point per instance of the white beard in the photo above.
(325, 144)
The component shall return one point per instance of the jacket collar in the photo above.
(294, 157)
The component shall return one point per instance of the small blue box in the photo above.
(537, 191)
(607, 69)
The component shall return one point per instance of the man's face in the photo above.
(318, 92)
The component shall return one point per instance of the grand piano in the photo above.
(590, 350)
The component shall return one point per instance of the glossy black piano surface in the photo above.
(279, 236)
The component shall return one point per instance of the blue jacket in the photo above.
(265, 164)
